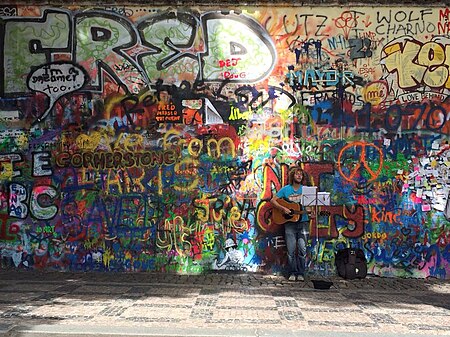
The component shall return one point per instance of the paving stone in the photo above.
(286, 303)
(225, 301)
(383, 318)
(206, 302)
(203, 313)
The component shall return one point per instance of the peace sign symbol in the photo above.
(366, 169)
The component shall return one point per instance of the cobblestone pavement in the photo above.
(33, 303)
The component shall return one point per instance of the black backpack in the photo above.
(351, 263)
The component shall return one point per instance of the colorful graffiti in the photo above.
(152, 138)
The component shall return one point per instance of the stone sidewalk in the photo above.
(155, 304)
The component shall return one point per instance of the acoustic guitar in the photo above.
(279, 218)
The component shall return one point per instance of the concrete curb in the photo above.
(107, 331)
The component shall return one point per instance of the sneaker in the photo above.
(300, 278)
(292, 277)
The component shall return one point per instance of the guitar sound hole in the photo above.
(288, 216)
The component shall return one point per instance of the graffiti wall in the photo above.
(142, 139)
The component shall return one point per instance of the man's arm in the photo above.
(274, 202)
(305, 209)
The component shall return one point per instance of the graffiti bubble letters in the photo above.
(40, 202)
(116, 160)
(315, 77)
(418, 64)
(56, 80)
(213, 45)
(360, 48)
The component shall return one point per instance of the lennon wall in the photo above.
(142, 139)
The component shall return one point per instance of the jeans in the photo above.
(296, 236)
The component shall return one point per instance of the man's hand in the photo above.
(311, 212)
(286, 210)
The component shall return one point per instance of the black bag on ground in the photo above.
(351, 263)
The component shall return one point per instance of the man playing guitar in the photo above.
(287, 206)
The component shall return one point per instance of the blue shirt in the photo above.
(289, 194)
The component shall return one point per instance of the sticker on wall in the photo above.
(376, 92)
